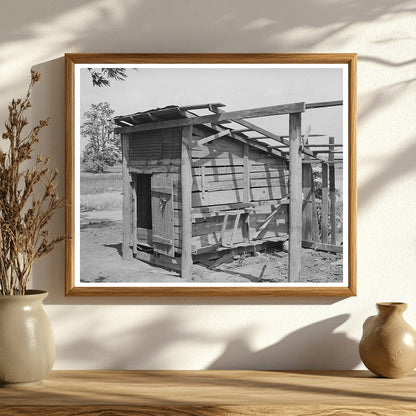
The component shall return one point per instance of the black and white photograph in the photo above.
(211, 175)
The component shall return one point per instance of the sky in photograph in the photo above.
(238, 88)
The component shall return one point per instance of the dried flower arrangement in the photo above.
(28, 199)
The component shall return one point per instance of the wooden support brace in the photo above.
(211, 138)
(236, 221)
(186, 195)
(266, 222)
(295, 192)
(246, 228)
(224, 226)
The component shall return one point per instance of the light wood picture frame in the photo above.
(210, 174)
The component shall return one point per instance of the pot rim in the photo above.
(391, 306)
(30, 293)
(391, 303)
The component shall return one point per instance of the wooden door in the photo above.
(162, 216)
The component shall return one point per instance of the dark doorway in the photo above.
(144, 201)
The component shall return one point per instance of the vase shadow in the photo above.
(314, 347)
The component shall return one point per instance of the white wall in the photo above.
(199, 333)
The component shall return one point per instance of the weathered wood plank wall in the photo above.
(227, 172)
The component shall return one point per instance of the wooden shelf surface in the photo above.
(203, 393)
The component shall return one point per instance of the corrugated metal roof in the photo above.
(171, 112)
(174, 112)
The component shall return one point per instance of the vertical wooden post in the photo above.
(307, 190)
(186, 192)
(315, 225)
(127, 201)
(246, 192)
(332, 194)
(246, 228)
(203, 185)
(295, 197)
(310, 227)
(324, 208)
(246, 180)
(134, 214)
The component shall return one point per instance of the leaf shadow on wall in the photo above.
(131, 25)
(313, 347)
(147, 344)
(395, 167)
(152, 345)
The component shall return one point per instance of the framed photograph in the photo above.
(211, 174)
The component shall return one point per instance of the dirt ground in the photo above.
(101, 260)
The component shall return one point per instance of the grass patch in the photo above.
(101, 201)
(97, 183)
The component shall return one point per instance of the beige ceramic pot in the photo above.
(27, 347)
(388, 344)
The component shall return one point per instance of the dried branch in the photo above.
(23, 218)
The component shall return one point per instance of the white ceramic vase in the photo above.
(27, 347)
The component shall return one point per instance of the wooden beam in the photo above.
(322, 247)
(127, 201)
(258, 137)
(171, 263)
(279, 146)
(186, 195)
(324, 145)
(324, 208)
(295, 195)
(264, 132)
(211, 138)
(224, 226)
(201, 106)
(323, 104)
(309, 135)
(332, 195)
(307, 190)
(332, 162)
(203, 186)
(219, 117)
(150, 117)
(126, 123)
(246, 228)
(315, 225)
(246, 167)
(244, 139)
(134, 214)
(236, 221)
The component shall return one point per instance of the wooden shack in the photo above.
(192, 185)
